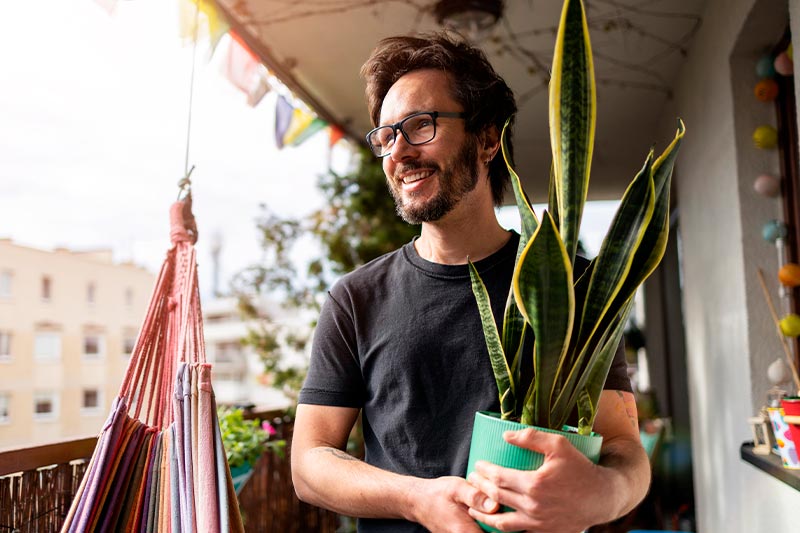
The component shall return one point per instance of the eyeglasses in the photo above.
(419, 128)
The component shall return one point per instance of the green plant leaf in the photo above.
(552, 197)
(613, 263)
(572, 119)
(601, 362)
(505, 386)
(526, 214)
(543, 290)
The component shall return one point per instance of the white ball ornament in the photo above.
(778, 372)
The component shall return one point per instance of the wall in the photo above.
(729, 337)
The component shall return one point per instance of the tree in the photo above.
(357, 224)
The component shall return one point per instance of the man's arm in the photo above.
(544, 499)
(326, 476)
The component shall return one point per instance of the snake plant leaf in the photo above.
(572, 119)
(513, 322)
(598, 355)
(552, 197)
(613, 263)
(505, 386)
(599, 365)
(528, 220)
(543, 290)
(654, 242)
(611, 267)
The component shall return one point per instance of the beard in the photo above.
(459, 177)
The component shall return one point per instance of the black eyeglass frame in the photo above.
(399, 126)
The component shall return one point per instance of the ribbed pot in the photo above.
(488, 445)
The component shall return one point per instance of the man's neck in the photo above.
(457, 236)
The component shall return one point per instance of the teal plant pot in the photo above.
(240, 475)
(488, 445)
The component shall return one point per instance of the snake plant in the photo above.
(576, 323)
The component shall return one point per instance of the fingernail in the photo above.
(488, 504)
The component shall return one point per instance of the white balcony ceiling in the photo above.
(318, 46)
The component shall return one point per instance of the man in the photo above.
(400, 338)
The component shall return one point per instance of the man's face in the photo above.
(427, 181)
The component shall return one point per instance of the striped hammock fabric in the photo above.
(159, 464)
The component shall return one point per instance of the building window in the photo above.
(47, 346)
(5, 284)
(91, 289)
(93, 346)
(45, 406)
(128, 344)
(47, 288)
(5, 346)
(92, 401)
(5, 408)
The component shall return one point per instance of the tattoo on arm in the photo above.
(629, 404)
(336, 453)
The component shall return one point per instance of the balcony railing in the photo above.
(37, 485)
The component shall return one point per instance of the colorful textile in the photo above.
(159, 464)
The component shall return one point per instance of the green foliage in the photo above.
(357, 223)
(245, 440)
(576, 324)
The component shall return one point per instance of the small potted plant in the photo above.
(244, 442)
(576, 324)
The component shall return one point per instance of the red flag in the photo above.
(336, 135)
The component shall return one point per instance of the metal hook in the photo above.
(185, 183)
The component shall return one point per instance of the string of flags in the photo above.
(294, 123)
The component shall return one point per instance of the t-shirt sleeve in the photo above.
(618, 378)
(334, 374)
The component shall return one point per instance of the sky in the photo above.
(93, 134)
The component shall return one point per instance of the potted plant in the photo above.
(576, 324)
(244, 442)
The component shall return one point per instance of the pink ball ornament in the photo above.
(783, 64)
(767, 185)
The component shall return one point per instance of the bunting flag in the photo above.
(208, 22)
(294, 126)
(312, 128)
(283, 118)
(244, 70)
(336, 134)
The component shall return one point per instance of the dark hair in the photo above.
(486, 98)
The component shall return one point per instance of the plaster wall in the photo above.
(729, 336)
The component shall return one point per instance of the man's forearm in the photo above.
(629, 470)
(333, 479)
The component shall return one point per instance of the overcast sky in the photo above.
(93, 120)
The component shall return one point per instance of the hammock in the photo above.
(159, 464)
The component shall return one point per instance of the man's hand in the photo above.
(568, 493)
(565, 495)
(441, 505)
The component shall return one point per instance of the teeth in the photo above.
(416, 177)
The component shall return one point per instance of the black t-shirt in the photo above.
(401, 339)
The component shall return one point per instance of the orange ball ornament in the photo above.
(789, 274)
(766, 90)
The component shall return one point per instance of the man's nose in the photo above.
(402, 149)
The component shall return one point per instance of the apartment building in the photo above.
(68, 323)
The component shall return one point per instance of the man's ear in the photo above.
(489, 143)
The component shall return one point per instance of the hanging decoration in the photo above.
(766, 90)
(774, 230)
(765, 67)
(210, 22)
(244, 70)
(783, 64)
(765, 137)
(789, 274)
(767, 185)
